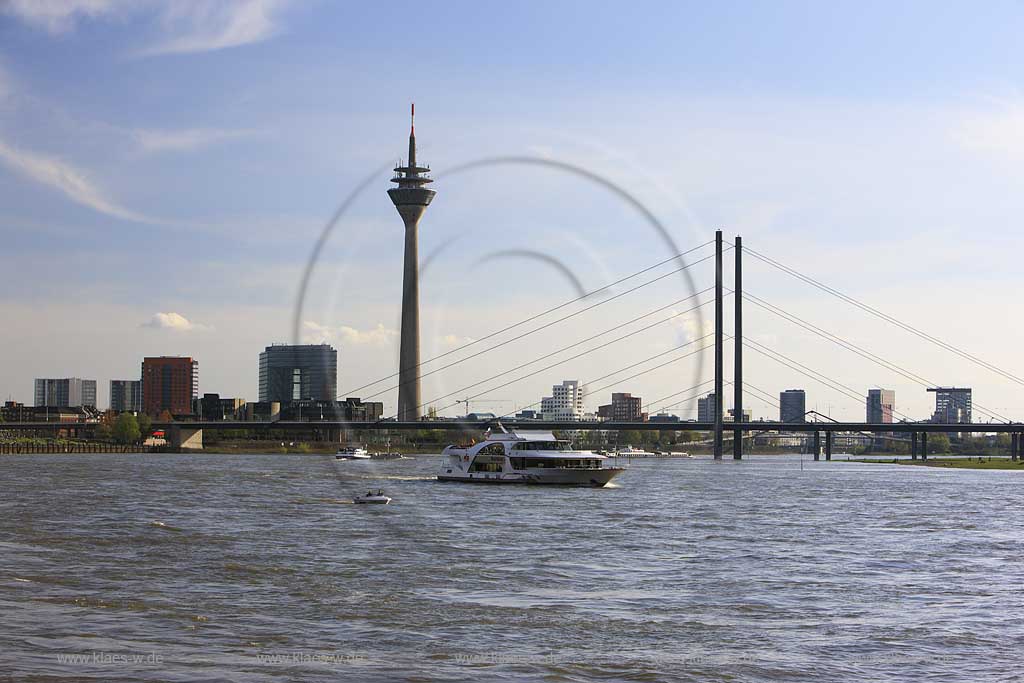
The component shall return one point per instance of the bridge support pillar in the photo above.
(913, 445)
(718, 345)
(924, 445)
(816, 445)
(1014, 445)
(185, 438)
(828, 445)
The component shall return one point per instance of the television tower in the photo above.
(411, 199)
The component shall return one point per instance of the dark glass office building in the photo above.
(293, 373)
(792, 406)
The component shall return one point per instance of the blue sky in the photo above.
(165, 169)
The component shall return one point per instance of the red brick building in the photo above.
(169, 383)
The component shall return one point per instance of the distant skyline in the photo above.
(166, 167)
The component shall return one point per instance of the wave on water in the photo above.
(321, 501)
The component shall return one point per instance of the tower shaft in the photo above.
(409, 349)
(411, 199)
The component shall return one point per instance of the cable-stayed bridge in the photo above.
(823, 430)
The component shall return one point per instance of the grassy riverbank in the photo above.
(968, 463)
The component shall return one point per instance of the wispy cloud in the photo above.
(456, 340)
(206, 25)
(58, 16)
(154, 141)
(314, 333)
(182, 26)
(171, 321)
(69, 180)
(5, 83)
(999, 133)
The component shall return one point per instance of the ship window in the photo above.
(493, 449)
(484, 465)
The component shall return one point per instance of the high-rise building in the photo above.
(792, 405)
(169, 383)
(624, 408)
(706, 408)
(952, 405)
(302, 372)
(565, 402)
(880, 404)
(126, 395)
(70, 392)
(411, 199)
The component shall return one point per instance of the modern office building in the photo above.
(126, 395)
(624, 408)
(411, 198)
(706, 408)
(952, 405)
(565, 402)
(169, 383)
(298, 372)
(792, 405)
(880, 404)
(666, 418)
(70, 392)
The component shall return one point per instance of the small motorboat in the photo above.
(372, 498)
(352, 454)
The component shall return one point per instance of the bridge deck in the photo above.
(899, 427)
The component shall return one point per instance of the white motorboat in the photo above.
(630, 452)
(352, 453)
(372, 498)
(525, 458)
(390, 455)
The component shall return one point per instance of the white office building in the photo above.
(565, 402)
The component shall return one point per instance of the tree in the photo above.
(103, 431)
(126, 429)
(632, 436)
(145, 425)
(938, 443)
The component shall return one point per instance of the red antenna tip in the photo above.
(412, 111)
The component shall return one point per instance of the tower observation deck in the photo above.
(411, 198)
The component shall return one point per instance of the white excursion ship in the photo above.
(525, 458)
(631, 452)
(352, 453)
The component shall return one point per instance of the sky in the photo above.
(166, 169)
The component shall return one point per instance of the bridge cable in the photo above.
(835, 385)
(552, 310)
(886, 317)
(854, 348)
(614, 372)
(578, 343)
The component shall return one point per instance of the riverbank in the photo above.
(968, 463)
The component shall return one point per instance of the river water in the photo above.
(259, 568)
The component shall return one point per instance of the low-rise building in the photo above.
(213, 407)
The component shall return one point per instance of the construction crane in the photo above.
(466, 401)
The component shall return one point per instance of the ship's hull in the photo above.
(593, 478)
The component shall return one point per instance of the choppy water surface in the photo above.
(258, 568)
